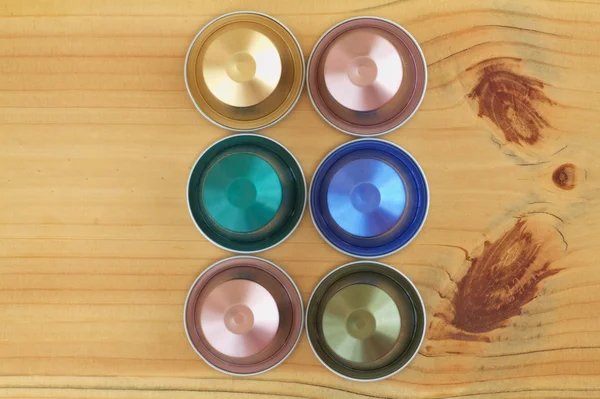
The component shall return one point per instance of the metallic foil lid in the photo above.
(246, 193)
(366, 76)
(244, 71)
(365, 321)
(243, 315)
(369, 198)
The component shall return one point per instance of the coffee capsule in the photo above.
(365, 321)
(246, 193)
(369, 198)
(243, 315)
(244, 71)
(366, 76)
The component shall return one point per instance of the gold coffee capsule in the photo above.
(244, 71)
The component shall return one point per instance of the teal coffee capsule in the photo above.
(246, 193)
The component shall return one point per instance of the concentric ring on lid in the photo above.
(365, 321)
(366, 76)
(243, 315)
(369, 198)
(244, 71)
(246, 193)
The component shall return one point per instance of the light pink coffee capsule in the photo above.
(366, 76)
(243, 315)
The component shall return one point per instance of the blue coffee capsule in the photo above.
(369, 198)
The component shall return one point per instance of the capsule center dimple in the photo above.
(361, 324)
(241, 193)
(363, 71)
(241, 67)
(239, 319)
(365, 197)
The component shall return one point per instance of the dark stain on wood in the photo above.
(510, 100)
(503, 276)
(500, 281)
(564, 176)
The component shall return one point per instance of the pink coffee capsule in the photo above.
(243, 315)
(366, 76)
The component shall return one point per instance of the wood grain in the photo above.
(97, 249)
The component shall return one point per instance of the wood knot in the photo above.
(504, 277)
(500, 281)
(564, 176)
(510, 100)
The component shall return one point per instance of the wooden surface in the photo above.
(97, 250)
